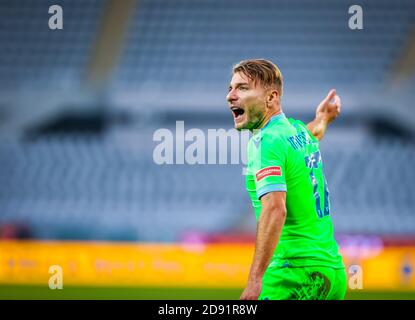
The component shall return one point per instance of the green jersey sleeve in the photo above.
(301, 126)
(269, 164)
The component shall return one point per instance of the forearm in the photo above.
(326, 112)
(318, 128)
(268, 233)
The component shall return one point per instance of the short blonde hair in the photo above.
(263, 71)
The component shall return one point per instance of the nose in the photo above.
(231, 96)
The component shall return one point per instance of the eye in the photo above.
(243, 88)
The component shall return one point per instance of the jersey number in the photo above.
(312, 162)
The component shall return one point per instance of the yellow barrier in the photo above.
(94, 263)
(387, 269)
(174, 265)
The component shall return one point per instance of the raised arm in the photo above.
(326, 112)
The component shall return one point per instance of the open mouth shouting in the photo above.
(237, 113)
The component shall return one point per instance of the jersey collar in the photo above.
(277, 117)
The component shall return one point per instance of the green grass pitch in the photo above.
(127, 293)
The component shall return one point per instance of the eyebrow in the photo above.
(238, 84)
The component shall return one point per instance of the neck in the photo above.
(266, 118)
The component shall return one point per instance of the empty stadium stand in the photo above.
(171, 41)
(176, 56)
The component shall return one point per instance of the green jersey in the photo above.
(285, 156)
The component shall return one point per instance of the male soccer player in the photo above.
(296, 255)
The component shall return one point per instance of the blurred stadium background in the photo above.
(79, 107)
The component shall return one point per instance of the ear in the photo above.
(272, 97)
